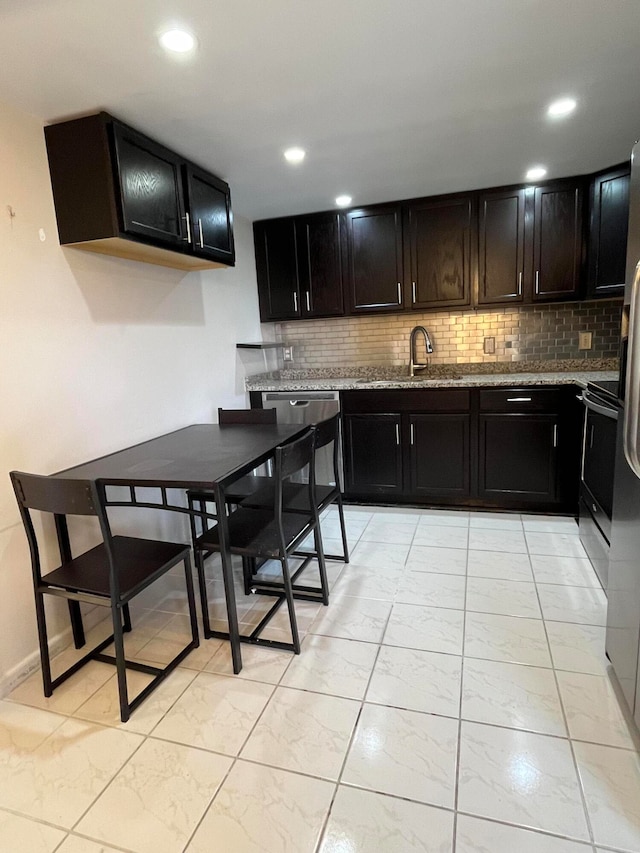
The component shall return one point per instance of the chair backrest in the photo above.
(294, 456)
(246, 416)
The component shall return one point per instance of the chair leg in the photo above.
(202, 584)
(248, 571)
(126, 613)
(324, 583)
(77, 627)
(192, 521)
(45, 660)
(343, 529)
(288, 591)
(121, 667)
(188, 576)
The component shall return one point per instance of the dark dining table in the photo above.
(203, 457)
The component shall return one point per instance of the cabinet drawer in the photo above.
(410, 400)
(521, 399)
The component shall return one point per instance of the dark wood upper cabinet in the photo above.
(608, 233)
(117, 192)
(210, 217)
(440, 252)
(318, 239)
(501, 242)
(277, 269)
(374, 267)
(557, 241)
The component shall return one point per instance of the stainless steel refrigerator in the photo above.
(623, 615)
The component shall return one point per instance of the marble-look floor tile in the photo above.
(353, 618)
(507, 694)
(303, 732)
(496, 564)
(331, 529)
(156, 801)
(495, 521)
(365, 582)
(526, 779)
(445, 536)
(399, 515)
(70, 695)
(104, 706)
(363, 822)
(416, 680)
(58, 781)
(507, 541)
(447, 561)
(331, 665)
(475, 835)
(434, 629)
(404, 754)
(264, 810)
(259, 663)
(23, 729)
(555, 544)
(578, 648)
(573, 604)
(611, 781)
(215, 712)
(20, 833)
(432, 590)
(388, 532)
(593, 709)
(444, 517)
(572, 571)
(76, 844)
(550, 524)
(372, 554)
(509, 598)
(506, 638)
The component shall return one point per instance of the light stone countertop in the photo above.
(467, 380)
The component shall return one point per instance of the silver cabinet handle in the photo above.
(201, 238)
(518, 399)
(412, 435)
(555, 435)
(188, 221)
(398, 435)
(631, 413)
(399, 294)
(308, 301)
(413, 291)
(519, 282)
(295, 301)
(537, 281)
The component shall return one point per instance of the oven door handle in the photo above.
(591, 404)
(631, 407)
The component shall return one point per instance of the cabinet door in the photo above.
(150, 183)
(439, 458)
(557, 241)
(277, 269)
(440, 251)
(320, 264)
(501, 247)
(608, 233)
(211, 221)
(374, 259)
(372, 454)
(518, 458)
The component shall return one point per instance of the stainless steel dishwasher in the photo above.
(309, 407)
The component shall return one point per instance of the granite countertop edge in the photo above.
(467, 380)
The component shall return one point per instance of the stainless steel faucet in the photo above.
(413, 365)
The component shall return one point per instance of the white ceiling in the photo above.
(390, 99)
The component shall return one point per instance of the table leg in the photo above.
(227, 576)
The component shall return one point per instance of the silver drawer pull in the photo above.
(399, 294)
(518, 399)
(412, 434)
(555, 435)
(397, 435)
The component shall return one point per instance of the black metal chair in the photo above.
(111, 574)
(271, 533)
(294, 495)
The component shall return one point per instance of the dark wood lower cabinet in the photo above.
(511, 448)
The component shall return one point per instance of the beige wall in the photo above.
(96, 353)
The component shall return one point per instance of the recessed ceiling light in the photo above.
(178, 41)
(561, 108)
(343, 200)
(295, 155)
(536, 172)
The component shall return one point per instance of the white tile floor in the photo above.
(453, 697)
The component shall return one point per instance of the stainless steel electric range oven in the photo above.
(598, 463)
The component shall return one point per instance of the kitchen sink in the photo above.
(408, 380)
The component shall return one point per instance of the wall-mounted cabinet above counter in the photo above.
(117, 192)
(560, 241)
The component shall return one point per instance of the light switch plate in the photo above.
(585, 340)
(287, 353)
(490, 345)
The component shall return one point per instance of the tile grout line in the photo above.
(460, 701)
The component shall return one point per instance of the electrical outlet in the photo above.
(585, 340)
(287, 353)
(489, 345)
